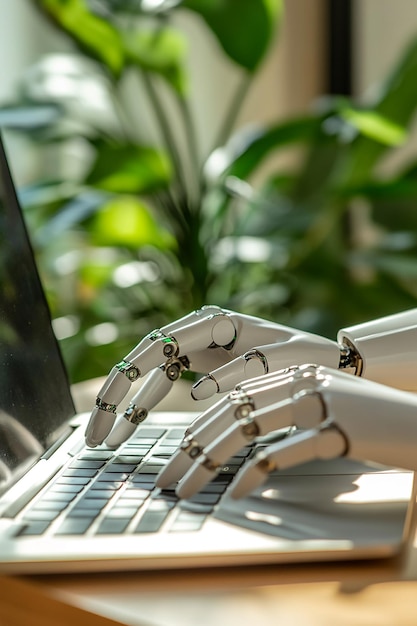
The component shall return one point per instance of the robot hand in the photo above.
(332, 413)
(211, 340)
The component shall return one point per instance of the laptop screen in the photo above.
(35, 399)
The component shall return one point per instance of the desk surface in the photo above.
(367, 594)
(363, 593)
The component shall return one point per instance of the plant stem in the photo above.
(193, 152)
(233, 111)
(166, 130)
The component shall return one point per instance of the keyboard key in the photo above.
(41, 515)
(65, 488)
(155, 515)
(151, 521)
(134, 458)
(143, 481)
(187, 521)
(143, 441)
(219, 487)
(95, 504)
(109, 487)
(100, 494)
(134, 447)
(150, 433)
(164, 449)
(87, 464)
(50, 505)
(113, 476)
(97, 455)
(125, 503)
(74, 526)
(133, 493)
(73, 480)
(150, 468)
(58, 496)
(125, 512)
(160, 504)
(89, 514)
(34, 528)
(205, 498)
(127, 468)
(87, 472)
(175, 433)
(194, 507)
(112, 526)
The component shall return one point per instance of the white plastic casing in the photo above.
(388, 349)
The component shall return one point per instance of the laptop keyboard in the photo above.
(103, 492)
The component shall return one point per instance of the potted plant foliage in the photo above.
(148, 230)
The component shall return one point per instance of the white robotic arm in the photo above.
(385, 350)
(229, 347)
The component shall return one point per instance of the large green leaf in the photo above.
(244, 28)
(129, 168)
(92, 33)
(161, 50)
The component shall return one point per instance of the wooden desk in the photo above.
(338, 594)
(364, 594)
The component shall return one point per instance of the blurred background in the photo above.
(256, 154)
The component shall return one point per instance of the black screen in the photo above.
(35, 399)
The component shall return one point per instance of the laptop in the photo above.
(67, 508)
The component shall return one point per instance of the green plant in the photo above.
(126, 245)
(148, 231)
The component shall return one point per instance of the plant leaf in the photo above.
(90, 32)
(161, 50)
(126, 221)
(243, 28)
(246, 150)
(129, 168)
(397, 102)
(77, 210)
(375, 126)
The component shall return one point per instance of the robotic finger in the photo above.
(158, 348)
(319, 443)
(296, 349)
(304, 408)
(362, 420)
(212, 423)
(153, 390)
